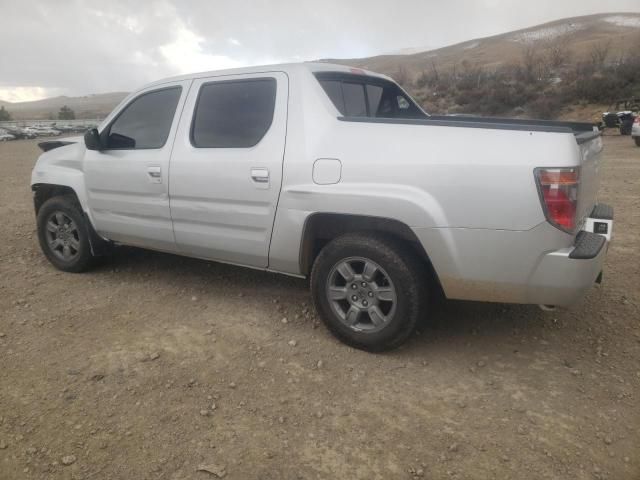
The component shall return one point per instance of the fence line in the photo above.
(50, 123)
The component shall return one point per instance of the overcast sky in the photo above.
(76, 47)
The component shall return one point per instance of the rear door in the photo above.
(226, 167)
(127, 182)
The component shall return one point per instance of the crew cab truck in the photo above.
(333, 173)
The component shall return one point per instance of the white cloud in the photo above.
(186, 55)
(120, 45)
(26, 94)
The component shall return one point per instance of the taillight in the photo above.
(559, 195)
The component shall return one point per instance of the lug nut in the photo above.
(364, 284)
(370, 294)
(365, 303)
(354, 286)
(354, 298)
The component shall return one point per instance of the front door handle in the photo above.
(155, 173)
(261, 176)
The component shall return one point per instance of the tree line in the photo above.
(65, 113)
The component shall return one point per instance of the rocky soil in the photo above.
(154, 366)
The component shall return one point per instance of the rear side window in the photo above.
(366, 96)
(233, 114)
(145, 122)
(355, 101)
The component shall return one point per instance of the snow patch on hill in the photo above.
(471, 46)
(624, 21)
(547, 33)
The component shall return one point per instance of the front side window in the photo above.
(145, 123)
(234, 113)
(366, 96)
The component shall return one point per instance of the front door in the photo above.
(226, 167)
(127, 182)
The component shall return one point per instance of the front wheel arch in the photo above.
(44, 191)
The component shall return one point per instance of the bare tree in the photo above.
(401, 76)
(436, 75)
(599, 53)
(530, 63)
(557, 54)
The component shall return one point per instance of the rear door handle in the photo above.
(155, 173)
(261, 176)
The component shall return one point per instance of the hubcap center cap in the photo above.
(362, 295)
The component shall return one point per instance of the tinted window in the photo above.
(145, 122)
(233, 114)
(355, 104)
(374, 95)
(361, 95)
(334, 91)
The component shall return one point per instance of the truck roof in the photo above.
(281, 67)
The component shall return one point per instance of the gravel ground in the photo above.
(154, 366)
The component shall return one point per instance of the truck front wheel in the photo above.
(370, 292)
(63, 234)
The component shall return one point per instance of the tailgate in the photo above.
(590, 145)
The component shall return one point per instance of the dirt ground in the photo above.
(153, 365)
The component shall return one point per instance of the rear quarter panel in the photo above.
(433, 177)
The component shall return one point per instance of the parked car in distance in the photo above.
(64, 128)
(32, 132)
(21, 133)
(46, 131)
(5, 137)
(333, 173)
(635, 130)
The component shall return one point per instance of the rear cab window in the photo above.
(356, 95)
(233, 113)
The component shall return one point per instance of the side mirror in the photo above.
(92, 140)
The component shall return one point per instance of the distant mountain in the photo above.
(90, 106)
(409, 50)
(578, 36)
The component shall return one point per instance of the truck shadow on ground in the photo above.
(448, 320)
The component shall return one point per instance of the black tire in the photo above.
(81, 258)
(406, 273)
(637, 139)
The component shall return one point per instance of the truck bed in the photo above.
(583, 131)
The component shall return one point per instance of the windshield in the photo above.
(366, 96)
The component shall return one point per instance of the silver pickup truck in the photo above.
(333, 173)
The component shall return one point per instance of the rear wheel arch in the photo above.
(321, 228)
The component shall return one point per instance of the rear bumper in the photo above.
(539, 266)
(563, 277)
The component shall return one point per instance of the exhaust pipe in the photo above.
(548, 308)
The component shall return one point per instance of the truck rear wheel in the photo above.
(63, 234)
(370, 292)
